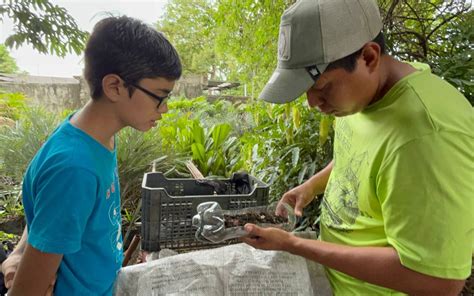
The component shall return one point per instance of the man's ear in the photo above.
(371, 53)
(113, 87)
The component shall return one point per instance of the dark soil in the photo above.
(255, 218)
(468, 289)
(14, 225)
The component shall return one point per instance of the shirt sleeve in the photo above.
(62, 205)
(426, 192)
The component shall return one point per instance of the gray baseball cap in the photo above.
(314, 33)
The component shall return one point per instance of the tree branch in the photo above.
(441, 24)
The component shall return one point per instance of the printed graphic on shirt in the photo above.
(340, 207)
(115, 236)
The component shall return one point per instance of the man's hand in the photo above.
(298, 197)
(9, 268)
(267, 238)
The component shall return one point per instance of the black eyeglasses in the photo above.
(313, 72)
(160, 99)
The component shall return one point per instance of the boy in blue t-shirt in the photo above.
(71, 190)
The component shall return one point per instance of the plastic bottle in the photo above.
(216, 225)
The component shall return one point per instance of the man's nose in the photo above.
(314, 100)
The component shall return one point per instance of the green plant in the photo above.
(190, 26)
(127, 217)
(214, 150)
(19, 143)
(12, 105)
(192, 129)
(439, 33)
(246, 36)
(10, 238)
(10, 200)
(7, 63)
(286, 146)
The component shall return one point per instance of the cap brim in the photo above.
(286, 85)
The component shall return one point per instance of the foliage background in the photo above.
(237, 40)
(228, 40)
(7, 63)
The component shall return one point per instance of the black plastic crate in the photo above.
(168, 206)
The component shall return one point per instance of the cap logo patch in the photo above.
(284, 53)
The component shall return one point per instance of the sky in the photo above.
(86, 13)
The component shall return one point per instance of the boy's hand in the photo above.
(9, 268)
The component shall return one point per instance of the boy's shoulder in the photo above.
(68, 148)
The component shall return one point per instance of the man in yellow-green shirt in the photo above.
(397, 213)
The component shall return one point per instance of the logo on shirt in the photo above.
(110, 190)
(116, 235)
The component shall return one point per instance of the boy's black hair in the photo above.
(131, 49)
(348, 63)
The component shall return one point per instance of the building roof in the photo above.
(30, 79)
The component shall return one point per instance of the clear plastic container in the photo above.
(216, 225)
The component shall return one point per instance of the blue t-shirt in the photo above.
(71, 197)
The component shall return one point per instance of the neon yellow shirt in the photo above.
(403, 176)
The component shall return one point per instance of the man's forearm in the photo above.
(377, 265)
(318, 182)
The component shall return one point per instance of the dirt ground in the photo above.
(469, 286)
